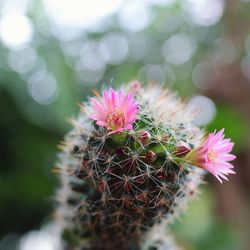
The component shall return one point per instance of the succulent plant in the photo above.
(128, 167)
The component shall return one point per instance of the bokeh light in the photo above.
(205, 109)
(178, 49)
(9, 34)
(203, 75)
(116, 48)
(245, 66)
(44, 239)
(80, 13)
(23, 60)
(43, 87)
(129, 14)
(204, 12)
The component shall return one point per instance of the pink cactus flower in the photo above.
(114, 110)
(213, 155)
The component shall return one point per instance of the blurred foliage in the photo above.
(235, 126)
(200, 229)
(27, 184)
(42, 79)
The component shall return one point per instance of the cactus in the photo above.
(127, 170)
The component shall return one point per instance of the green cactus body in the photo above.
(117, 187)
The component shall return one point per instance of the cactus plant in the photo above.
(132, 161)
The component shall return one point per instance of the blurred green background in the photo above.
(53, 53)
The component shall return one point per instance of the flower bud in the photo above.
(102, 186)
(144, 136)
(120, 152)
(182, 149)
(134, 86)
(150, 156)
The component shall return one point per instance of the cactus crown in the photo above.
(118, 184)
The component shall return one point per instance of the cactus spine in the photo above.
(116, 187)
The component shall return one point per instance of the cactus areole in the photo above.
(132, 161)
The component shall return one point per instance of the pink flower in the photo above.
(114, 110)
(213, 155)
